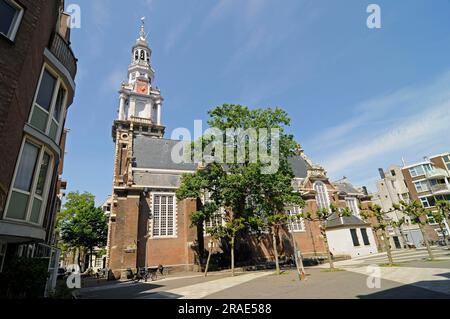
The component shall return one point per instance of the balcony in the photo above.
(440, 188)
(62, 51)
(436, 172)
(141, 120)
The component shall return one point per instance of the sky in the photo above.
(360, 99)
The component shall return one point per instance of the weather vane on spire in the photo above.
(142, 33)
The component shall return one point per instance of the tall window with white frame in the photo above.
(296, 224)
(164, 218)
(352, 203)
(10, 17)
(323, 201)
(31, 184)
(50, 105)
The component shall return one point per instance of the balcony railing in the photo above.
(141, 120)
(436, 172)
(62, 51)
(440, 188)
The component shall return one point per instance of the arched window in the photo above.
(136, 55)
(322, 199)
(143, 55)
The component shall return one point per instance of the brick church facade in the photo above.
(148, 226)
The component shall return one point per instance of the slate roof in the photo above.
(346, 187)
(335, 222)
(299, 166)
(154, 153)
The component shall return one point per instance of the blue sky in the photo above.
(359, 99)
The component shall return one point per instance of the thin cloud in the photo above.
(176, 33)
(407, 119)
(385, 110)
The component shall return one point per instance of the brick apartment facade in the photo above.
(149, 227)
(37, 73)
(429, 182)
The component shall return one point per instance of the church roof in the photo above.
(348, 221)
(299, 166)
(154, 153)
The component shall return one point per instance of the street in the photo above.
(412, 277)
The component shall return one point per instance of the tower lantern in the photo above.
(140, 103)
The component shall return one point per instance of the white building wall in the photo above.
(341, 243)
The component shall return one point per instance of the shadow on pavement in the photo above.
(439, 289)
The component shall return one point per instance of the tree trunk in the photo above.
(207, 261)
(425, 239)
(405, 243)
(298, 259)
(232, 255)
(90, 258)
(79, 259)
(275, 251)
(387, 246)
(444, 231)
(330, 259)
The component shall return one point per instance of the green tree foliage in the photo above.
(250, 197)
(82, 225)
(419, 216)
(24, 278)
(382, 225)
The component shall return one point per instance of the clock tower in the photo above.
(140, 101)
(139, 112)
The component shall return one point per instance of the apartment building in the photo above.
(37, 73)
(392, 189)
(428, 181)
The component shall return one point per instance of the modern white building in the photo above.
(392, 189)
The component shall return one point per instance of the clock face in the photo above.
(142, 88)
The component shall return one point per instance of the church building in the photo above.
(148, 225)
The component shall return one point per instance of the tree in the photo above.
(275, 193)
(441, 217)
(82, 225)
(399, 224)
(206, 212)
(383, 223)
(323, 216)
(418, 215)
(237, 180)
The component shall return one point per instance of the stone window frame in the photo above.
(14, 28)
(175, 216)
(42, 150)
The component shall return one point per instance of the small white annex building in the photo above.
(350, 236)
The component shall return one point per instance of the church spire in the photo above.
(142, 35)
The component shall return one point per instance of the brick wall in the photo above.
(20, 65)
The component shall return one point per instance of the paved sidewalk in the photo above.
(201, 290)
(399, 256)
